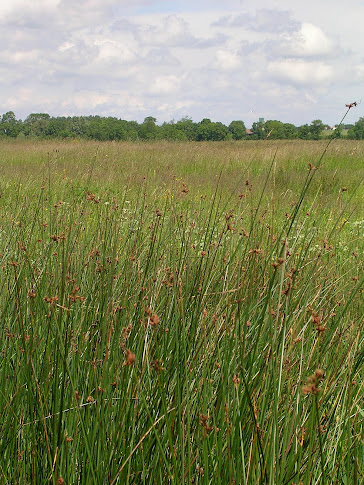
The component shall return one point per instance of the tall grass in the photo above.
(181, 313)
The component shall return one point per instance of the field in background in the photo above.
(181, 312)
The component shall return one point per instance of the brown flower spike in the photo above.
(313, 382)
(130, 357)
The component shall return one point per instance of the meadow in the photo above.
(176, 313)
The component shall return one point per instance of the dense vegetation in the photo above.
(42, 125)
(181, 312)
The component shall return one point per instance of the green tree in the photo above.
(36, 124)
(303, 132)
(209, 131)
(279, 131)
(259, 131)
(9, 125)
(188, 127)
(237, 130)
(170, 131)
(337, 133)
(131, 129)
(149, 130)
(290, 130)
(58, 128)
(316, 129)
(357, 131)
(274, 129)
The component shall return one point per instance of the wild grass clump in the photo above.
(178, 314)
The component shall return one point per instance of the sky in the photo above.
(288, 60)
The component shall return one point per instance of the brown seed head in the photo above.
(130, 357)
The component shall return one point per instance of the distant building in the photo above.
(248, 132)
(261, 120)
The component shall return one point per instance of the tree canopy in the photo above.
(42, 125)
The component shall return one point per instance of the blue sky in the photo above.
(288, 60)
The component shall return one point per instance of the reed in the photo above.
(181, 313)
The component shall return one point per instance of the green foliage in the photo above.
(209, 131)
(171, 131)
(259, 131)
(148, 130)
(311, 132)
(238, 130)
(186, 125)
(42, 125)
(276, 130)
(337, 133)
(356, 132)
(316, 129)
(9, 125)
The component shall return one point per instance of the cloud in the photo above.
(359, 72)
(114, 51)
(88, 100)
(300, 71)
(165, 85)
(308, 41)
(128, 59)
(263, 20)
(227, 60)
(161, 56)
(172, 31)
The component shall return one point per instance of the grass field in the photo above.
(181, 313)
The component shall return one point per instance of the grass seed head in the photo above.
(129, 357)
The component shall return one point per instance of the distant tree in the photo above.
(149, 130)
(316, 129)
(209, 131)
(357, 131)
(237, 130)
(111, 128)
(150, 119)
(337, 133)
(290, 130)
(9, 117)
(58, 128)
(188, 127)
(259, 131)
(9, 125)
(311, 132)
(205, 121)
(36, 124)
(131, 128)
(171, 131)
(106, 129)
(274, 129)
(303, 132)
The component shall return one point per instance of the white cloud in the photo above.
(165, 85)
(301, 71)
(13, 6)
(359, 72)
(129, 59)
(263, 20)
(172, 31)
(227, 60)
(115, 51)
(308, 41)
(87, 100)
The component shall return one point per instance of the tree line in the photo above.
(42, 125)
